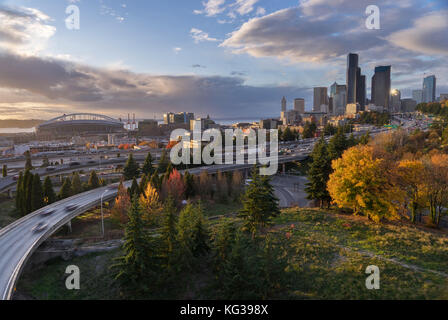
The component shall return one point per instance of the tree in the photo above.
(163, 162)
(27, 187)
(134, 189)
(318, 174)
(169, 231)
(138, 264)
(362, 183)
(190, 190)
(122, 205)
(309, 130)
(49, 195)
(94, 182)
(259, 203)
(131, 169)
(237, 184)
(66, 189)
(37, 196)
(222, 187)
(150, 203)
(20, 196)
(155, 180)
(174, 186)
(143, 182)
(4, 170)
(337, 145)
(205, 190)
(288, 135)
(411, 179)
(76, 184)
(45, 162)
(148, 168)
(28, 163)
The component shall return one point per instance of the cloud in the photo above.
(428, 35)
(200, 36)
(212, 8)
(73, 87)
(24, 30)
(177, 50)
(198, 66)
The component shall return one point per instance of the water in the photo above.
(17, 130)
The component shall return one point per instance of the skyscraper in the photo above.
(417, 95)
(338, 93)
(283, 104)
(352, 70)
(395, 100)
(360, 89)
(429, 89)
(299, 105)
(381, 86)
(320, 98)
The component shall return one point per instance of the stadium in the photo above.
(79, 124)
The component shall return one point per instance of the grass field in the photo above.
(327, 257)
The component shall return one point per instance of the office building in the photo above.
(178, 118)
(283, 104)
(320, 98)
(429, 89)
(408, 105)
(395, 100)
(299, 105)
(352, 70)
(339, 94)
(417, 95)
(381, 87)
(360, 89)
(352, 108)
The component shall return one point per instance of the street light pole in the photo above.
(102, 216)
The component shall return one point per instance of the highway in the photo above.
(18, 241)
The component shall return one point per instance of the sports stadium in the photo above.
(79, 124)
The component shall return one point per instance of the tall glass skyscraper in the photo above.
(352, 70)
(429, 89)
(381, 87)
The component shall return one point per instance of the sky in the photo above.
(231, 59)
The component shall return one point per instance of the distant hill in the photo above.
(15, 123)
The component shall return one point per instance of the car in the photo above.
(71, 207)
(72, 164)
(50, 169)
(39, 227)
(47, 212)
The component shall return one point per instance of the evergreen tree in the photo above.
(148, 168)
(37, 196)
(169, 232)
(138, 265)
(28, 163)
(259, 203)
(4, 171)
(27, 187)
(76, 184)
(49, 195)
(337, 145)
(364, 140)
(143, 182)
(319, 172)
(20, 201)
(169, 170)
(155, 180)
(351, 142)
(66, 189)
(190, 191)
(94, 182)
(131, 169)
(163, 162)
(288, 135)
(134, 189)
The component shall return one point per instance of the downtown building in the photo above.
(381, 87)
(356, 82)
(429, 89)
(338, 93)
(320, 102)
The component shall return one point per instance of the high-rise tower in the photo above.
(352, 70)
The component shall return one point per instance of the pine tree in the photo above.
(137, 267)
(259, 203)
(169, 228)
(148, 168)
(37, 196)
(66, 189)
(288, 135)
(94, 182)
(4, 171)
(48, 193)
(131, 169)
(76, 184)
(27, 187)
(319, 172)
(143, 182)
(28, 163)
(20, 200)
(163, 162)
(134, 189)
(337, 145)
(155, 180)
(190, 191)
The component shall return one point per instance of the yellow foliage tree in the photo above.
(410, 177)
(119, 212)
(150, 203)
(362, 183)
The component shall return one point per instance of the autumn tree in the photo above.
(222, 187)
(411, 179)
(360, 182)
(122, 205)
(150, 204)
(174, 186)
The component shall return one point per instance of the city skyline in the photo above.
(209, 64)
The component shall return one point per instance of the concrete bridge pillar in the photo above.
(69, 225)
